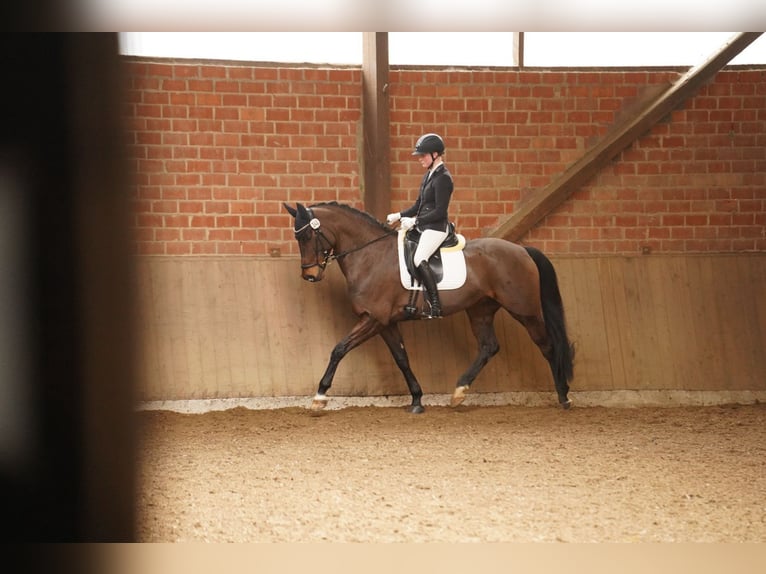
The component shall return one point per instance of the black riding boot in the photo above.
(428, 281)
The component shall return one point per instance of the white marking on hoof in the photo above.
(458, 396)
(319, 402)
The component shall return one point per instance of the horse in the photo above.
(500, 273)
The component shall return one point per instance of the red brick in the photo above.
(239, 180)
(231, 221)
(168, 235)
(226, 86)
(203, 248)
(190, 207)
(510, 134)
(178, 248)
(174, 85)
(201, 86)
(201, 112)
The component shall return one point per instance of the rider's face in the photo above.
(425, 160)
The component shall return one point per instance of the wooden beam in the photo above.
(536, 208)
(518, 49)
(376, 156)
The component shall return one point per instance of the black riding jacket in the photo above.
(431, 207)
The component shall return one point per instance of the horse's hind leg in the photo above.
(482, 317)
(393, 338)
(536, 328)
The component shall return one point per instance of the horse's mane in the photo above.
(355, 212)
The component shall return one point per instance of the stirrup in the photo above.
(430, 314)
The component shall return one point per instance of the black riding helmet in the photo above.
(429, 143)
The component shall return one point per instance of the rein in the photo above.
(350, 251)
(328, 254)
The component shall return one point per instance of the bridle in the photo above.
(321, 243)
(326, 247)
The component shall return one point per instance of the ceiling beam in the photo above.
(581, 171)
(376, 157)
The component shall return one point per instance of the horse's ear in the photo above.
(303, 213)
(290, 210)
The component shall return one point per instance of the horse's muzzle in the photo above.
(313, 271)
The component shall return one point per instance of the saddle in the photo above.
(411, 239)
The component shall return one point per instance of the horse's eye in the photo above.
(303, 236)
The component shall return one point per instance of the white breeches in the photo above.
(430, 240)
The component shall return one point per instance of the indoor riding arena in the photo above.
(646, 188)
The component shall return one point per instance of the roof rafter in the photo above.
(581, 171)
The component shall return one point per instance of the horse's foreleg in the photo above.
(363, 330)
(393, 338)
(481, 316)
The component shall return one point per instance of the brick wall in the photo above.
(217, 147)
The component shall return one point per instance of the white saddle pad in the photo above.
(453, 261)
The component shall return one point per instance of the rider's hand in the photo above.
(407, 223)
(392, 218)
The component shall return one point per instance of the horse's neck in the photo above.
(352, 234)
(360, 237)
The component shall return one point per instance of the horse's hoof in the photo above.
(458, 396)
(318, 405)
(566, 405)
(417, 409)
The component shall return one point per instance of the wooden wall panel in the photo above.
(242, 327)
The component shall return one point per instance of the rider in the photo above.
(429, 212)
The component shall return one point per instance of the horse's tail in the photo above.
(562, 360)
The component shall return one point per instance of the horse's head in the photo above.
(316, 249)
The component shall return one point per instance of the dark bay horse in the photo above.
(519, 279)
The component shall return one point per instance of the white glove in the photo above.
(392, 218)
(407, 223)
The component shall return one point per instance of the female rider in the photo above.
(429, 213)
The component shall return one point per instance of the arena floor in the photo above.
(476, 473)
